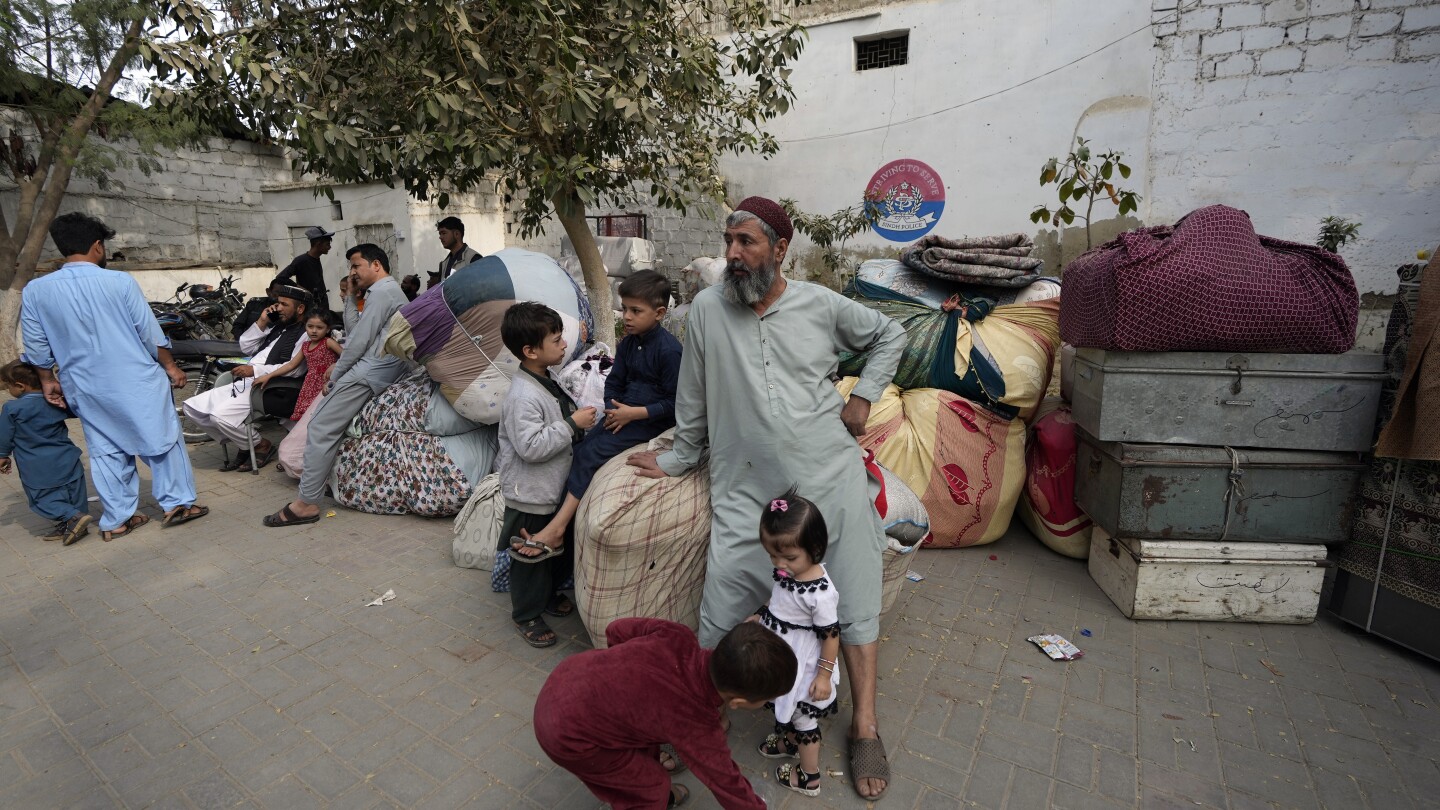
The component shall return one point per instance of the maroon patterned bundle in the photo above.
(1209, 284)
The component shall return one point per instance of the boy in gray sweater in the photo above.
(538, 425)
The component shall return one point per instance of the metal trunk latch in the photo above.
(1239, 364)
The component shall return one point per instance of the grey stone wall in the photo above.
(1285, 36)
(201, 207)
(1294, 110)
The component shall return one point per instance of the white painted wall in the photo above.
(410, 242)
(1290, 109)
(297, 205)
(1300, 109)
(988, 152)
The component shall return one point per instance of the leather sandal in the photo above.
(535, 631)
(285, 517)
(560, 606)
(135, 522)
(183, 514)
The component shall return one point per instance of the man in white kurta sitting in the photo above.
(272, 341)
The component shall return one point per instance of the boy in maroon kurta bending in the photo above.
(603, 714)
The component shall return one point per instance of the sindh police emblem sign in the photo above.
(908, 197)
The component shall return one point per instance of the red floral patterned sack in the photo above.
(1210, 283)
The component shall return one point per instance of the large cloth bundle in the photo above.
(454, 328)
(932, 291)
(999, 261)
(641, 544)
(998, 356)
(967, 463)
(1047, 506)
(1209, 284)
(409, 451)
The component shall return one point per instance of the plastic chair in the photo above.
(258, 411)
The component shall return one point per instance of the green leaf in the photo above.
(1124, 170)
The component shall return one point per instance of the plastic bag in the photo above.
(584, 379)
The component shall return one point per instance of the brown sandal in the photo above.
(135, 522)
(183, 514)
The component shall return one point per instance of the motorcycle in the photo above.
(206, 315)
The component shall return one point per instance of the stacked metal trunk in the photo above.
(1215, 479)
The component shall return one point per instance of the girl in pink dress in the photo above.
(319, 352)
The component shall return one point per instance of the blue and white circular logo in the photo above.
(909, 197)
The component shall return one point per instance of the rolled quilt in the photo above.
(997, 261)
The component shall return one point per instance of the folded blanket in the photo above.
(1000, 261)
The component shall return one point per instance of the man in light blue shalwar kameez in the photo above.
(114, 360)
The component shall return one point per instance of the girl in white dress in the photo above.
(802, 611)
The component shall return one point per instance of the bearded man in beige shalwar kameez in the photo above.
(756, 391)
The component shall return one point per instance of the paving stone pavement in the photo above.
(221, 664)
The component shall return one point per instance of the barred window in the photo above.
(886, 50)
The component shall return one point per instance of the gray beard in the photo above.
(748, 290)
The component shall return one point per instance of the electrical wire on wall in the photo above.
(1174, 15)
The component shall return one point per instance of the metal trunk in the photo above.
(1181, 492)
(1209, 582)
(1276, 401)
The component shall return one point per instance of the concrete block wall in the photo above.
(200, 206)
(679, 238)
(1294, 110)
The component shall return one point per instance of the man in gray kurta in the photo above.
(362, 371)
(755, 390)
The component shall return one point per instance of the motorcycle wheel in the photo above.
(195, 383)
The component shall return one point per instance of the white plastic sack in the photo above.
(477, 527)
(584, 379)
(622, 255)
(904, 517)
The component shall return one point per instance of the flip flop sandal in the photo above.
(679, 794)
(534, 631)
(677, 765)
(135, 522)
(546, 552)
(560, 606)
(285, 517)
(76, 528)
(184, 514)
(868, 761)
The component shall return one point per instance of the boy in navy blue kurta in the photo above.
(34, 434)
(639, 393)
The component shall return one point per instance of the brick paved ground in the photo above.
(223, 665)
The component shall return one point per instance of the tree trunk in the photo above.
(33, 227)
(571, 213)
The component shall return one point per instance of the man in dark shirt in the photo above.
(306, 270)
(251, 313)
(458, 254)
